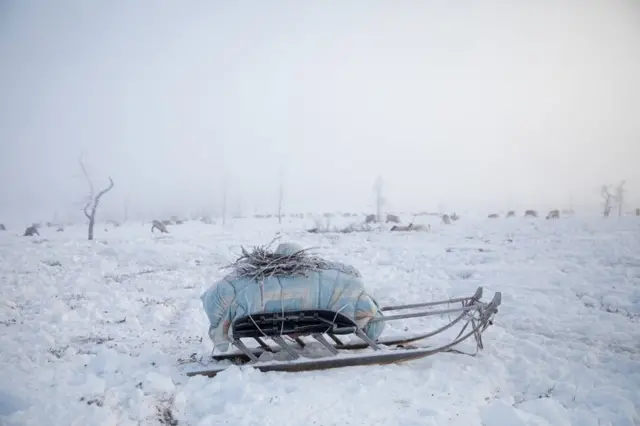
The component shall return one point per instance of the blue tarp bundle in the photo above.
(290, 280)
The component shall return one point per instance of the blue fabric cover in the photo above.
(335, 289)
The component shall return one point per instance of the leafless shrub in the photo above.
(530, 213)
(58, 352)
(159, 226)
(553, 214)
(98, 402)
(98, 340)
(165, 416)
(150, 301)
(31, 231)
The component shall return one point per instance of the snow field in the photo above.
(91, 332)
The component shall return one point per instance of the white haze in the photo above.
(464, 105)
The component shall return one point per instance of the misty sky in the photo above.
(458, 105)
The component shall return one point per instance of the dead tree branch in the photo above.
(92, 204)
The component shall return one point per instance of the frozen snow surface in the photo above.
(91, 332)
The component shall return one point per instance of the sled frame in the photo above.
(318, 323)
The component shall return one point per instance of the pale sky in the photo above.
(460, 105)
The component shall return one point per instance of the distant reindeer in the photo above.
(207, 220)
(60, 229)
(553, 214)
(2, 227)
(410, 227)
(493, 216)
(637, 212)
(511, 213)
(393, 218)
(531, 213)
(156, 224)
(455, 217)
(31, 231)
(370, 218)
(446, 219)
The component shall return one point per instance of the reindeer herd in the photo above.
(161, 225)
(553, 214)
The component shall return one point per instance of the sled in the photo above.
(326, 327)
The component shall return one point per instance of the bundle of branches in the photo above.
(263, 263)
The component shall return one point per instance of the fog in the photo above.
(457, 105)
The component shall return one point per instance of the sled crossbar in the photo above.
(318, 323)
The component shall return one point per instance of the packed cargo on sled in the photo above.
(289, 300)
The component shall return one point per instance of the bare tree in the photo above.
(238, 209)
(620, 197)
(608, 199)
(224, 204)
(380, 200)
(280, 196)
(93, 201)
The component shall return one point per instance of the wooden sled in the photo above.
(474, 316)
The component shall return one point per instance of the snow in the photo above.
(91, 332)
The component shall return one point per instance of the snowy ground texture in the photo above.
(91, 332)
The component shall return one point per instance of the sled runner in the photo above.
(328, 326)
